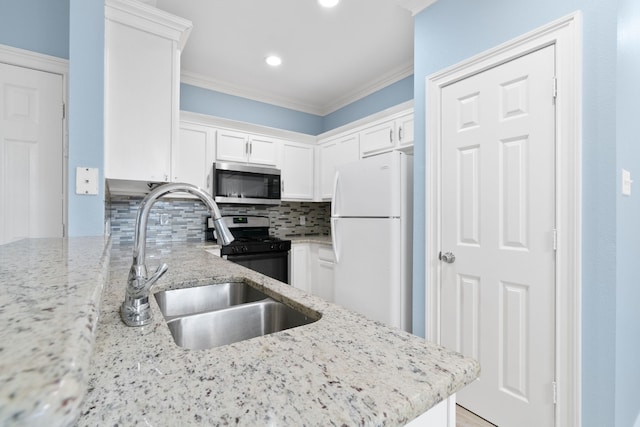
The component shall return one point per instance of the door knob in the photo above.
(447, 257)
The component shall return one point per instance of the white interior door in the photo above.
(31, 154)
(498, 219)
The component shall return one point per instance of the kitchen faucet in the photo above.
(135, 310)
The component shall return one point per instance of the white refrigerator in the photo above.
(371, 229)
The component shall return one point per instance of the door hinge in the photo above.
(555, 89)
(555, 392)
(555, 239)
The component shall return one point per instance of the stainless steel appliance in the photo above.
(254, 248)
(245, 184)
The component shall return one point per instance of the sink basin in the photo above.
(214, 315)
(179, 302)
(238, 323)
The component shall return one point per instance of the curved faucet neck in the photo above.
(135, 310)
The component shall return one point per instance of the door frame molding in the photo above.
(49, 64)
(566, 34)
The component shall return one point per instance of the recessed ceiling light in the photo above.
(273, 60)
(328, 3)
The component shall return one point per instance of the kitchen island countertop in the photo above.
(341, 369)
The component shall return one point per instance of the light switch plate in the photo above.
(86, 180)
(626, 182)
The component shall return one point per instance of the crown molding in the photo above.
(150, 19)
(415, 6)
(371, 87)
(206, 82)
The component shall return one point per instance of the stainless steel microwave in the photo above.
(245, 184)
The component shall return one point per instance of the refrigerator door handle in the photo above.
(334, 238)
(334, 198)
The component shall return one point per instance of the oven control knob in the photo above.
(245, 249)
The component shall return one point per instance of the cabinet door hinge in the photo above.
(555, 239)
(64, 111)
(555, 392)
(555, 89)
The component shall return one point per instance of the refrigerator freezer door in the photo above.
(369, 187)
(368, 279)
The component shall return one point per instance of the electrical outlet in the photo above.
(164, 219)
(86, 181)
(303, 220)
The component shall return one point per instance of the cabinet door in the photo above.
(378, 138)
(232, 146)
(299, 266)
(404, 126)
(335, 153)
(263, 151)
(325, 279)
(139, 112)
(297, 171)
(193, 155)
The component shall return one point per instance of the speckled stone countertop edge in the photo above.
(56, 303)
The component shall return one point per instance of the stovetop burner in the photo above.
(251, 235)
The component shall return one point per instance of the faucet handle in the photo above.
(162, 268)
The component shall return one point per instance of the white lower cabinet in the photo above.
(299, 273)
(323, 281)
(441, 415)
(312, 269)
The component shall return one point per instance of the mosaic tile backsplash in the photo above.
(187, 217)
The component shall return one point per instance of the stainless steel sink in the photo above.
(219, 314)
(221, 327)
(179, 302)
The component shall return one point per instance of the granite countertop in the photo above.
(49, 304)
(317, 238)
(341, 369)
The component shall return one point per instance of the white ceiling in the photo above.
(331, 57)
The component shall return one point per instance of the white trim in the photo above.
(150, 19)
(49, 64)
(415, 6)
(565, 34)
(189, 117)
(205, 82)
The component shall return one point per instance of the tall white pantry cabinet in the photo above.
(142, 84)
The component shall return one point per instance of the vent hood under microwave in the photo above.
(245, 184)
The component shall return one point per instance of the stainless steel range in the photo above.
(254, 248)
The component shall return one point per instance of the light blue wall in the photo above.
(394, 94)
(452, 30)
(628, 218)
(205, 101)
(38, 25)
(86, 112)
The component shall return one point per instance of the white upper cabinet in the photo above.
(297, 170)
(386, 136)
(193, 155)
(142, 77)
(333, 153)
(241, 147)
